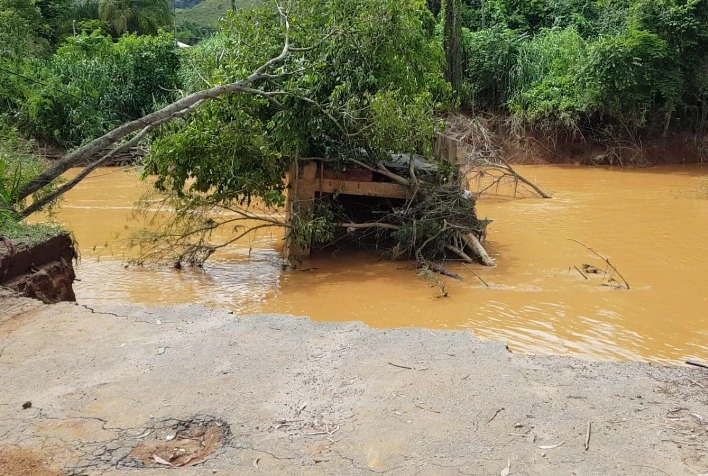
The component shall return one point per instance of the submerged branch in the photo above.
(364, 226)
(603, 258)
(42, 202)
(524, 180)
(476, 246)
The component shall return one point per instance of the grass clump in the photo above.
(28, 233)
(18, 165)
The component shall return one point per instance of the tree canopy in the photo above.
(369, 81)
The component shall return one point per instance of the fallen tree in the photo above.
(257, 100)
(388, 90)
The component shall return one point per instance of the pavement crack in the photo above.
(93, 311)
(357, 466)
(273, 455)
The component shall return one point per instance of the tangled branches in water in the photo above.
(437, 221)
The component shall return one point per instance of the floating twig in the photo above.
(587, 436)
(581, 273)
(478, 276)
(606, 260)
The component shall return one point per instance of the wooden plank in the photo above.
(358, 175)
(366, 189)
(308, 170)
(449, 149)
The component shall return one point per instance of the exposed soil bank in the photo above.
(43, 271)
(678, 148)
(307, 398)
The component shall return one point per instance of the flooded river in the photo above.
(652, 224)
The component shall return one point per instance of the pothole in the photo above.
(177, 443)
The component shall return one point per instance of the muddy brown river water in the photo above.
(652, 223)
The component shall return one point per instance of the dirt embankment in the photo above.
(43, 271)
(154, 390)
(679, 148)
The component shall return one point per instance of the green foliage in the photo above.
(18, 166)
(136, 16)
(191, 33)
(544, 82)
(489, 55)
(632, 74)
(93, 84)
(634, 63)
(317, 227)
(28, 233)
(373, 85)
(21, 20)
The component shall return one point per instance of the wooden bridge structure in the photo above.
(310, 179)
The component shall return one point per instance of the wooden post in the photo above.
(301, 197)
(449, 149)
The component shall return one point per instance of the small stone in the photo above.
(27, 405)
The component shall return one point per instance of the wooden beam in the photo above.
(348, 187)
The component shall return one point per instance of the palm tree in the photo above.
(135, 16)
(140, 16)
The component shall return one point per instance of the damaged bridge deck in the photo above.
(297, 397)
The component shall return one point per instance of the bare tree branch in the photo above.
(86, 152)
(42, 202)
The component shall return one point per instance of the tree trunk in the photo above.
(473, 244)
(86, 154)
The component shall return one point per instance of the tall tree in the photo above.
(136, 16)
(453, 42)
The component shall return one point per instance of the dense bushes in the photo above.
(490, 55)
(94, 83)
(544, 86)
(559, 64)
(64, 79)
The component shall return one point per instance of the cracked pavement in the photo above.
(307, 398)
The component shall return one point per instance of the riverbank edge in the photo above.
(331, 398)
(42, 270)
(538, 148)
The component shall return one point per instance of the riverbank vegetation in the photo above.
(613, 71)
(222, 122)
(19, 164)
